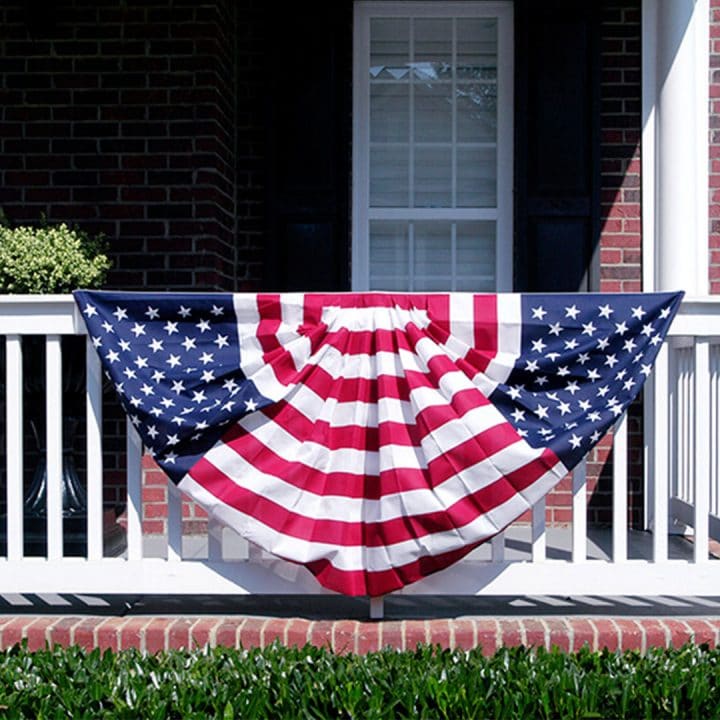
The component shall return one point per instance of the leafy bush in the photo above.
(308, 682)
(50, 259)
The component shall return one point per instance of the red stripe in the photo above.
(270, 314)
(363, 534)
(486, 330)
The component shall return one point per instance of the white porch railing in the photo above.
(682, 495)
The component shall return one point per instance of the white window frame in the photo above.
(361, 212)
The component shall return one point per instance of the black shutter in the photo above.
(308, 92)
(557, 145)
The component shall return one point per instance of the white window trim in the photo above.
(503, 215)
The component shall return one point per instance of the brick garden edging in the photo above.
(154, 633)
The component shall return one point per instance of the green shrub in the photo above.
(50, 259)
(309, 682)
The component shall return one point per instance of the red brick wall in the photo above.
(119, 117)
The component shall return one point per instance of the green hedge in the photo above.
(309, 682)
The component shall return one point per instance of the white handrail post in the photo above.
(134, 493)
(661, 436)
(14, 446)
(54, 446)
(174, 522)
(579, 512)
(702, 448)
(620, 488)
(94, 452)
(539, 536)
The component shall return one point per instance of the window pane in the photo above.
(389, 255)
(389, 176)
(389, 112)
(475, 256)
(389, 48)
(476, 112)
(476, 177)
(433, 112)
(477, 48)
(433, 48)
(432, 255)
(433, 177)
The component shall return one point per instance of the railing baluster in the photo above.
(497, 547)
(702, 448)
(215, 539)
(620, 488)
(662, 443)
(14, 446)
(54, 448)
(539, 537)
(94, 453)
(174, 522)
(579, 512)
(134, 494)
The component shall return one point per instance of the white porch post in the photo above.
(675, 77)
(675, 187)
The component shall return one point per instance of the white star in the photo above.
(605, 311)
(125, 346)
(595, 437)
(152, 313)
(647, 329)
(628, 384)
(173, 439)
(140, 362)
(518, 415)
(201, 425)
(170, 327)
(584, 405)
(572, 387)
(208, 376)
(620, 375)
(135, 420)
(221, 341)
(571, 344)
(156, 411)
(112, 356)
(158, 375)
(611, 360)
(638, 312)
(147, 389)
(542, 412)
(552, 356)
(564, 408)
(617, 410)
(167, 402)
(178, 420)
(575, 441)
(231, 386)
(188, 343)
(594, 416)
(203, 325)
(521, 432)
(129, 373)
(593, 375)
(603, 343)
(538, 345)
(217, 310)
(170, 458)
(603, 390)
(156, 345)
(135, 402)
(178, 386)
(532, 366)
(588, 329)
(655, 340)
(620, 328)
(137, 329)
(665, 313)
(184, 312)
(629, 345)
(646, 369)
(228, 405)
(199, 396)
(120, 313)
(563, 371)
(90, 310)
(107, 327)
(152, 431)
(539, 312)
(206, 358)
(541, 380)
(119, 389)
(514, 392)
(572, 312)
(251, 405)
(583, 358)
(173, 361)
(97, 342)
(555, 329)
(552, 396)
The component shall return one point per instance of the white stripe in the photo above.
(373, 318)
(462, 320)
(360, 463)
(247, 317)
(373, 559)
(292, 309)
(509, 314)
